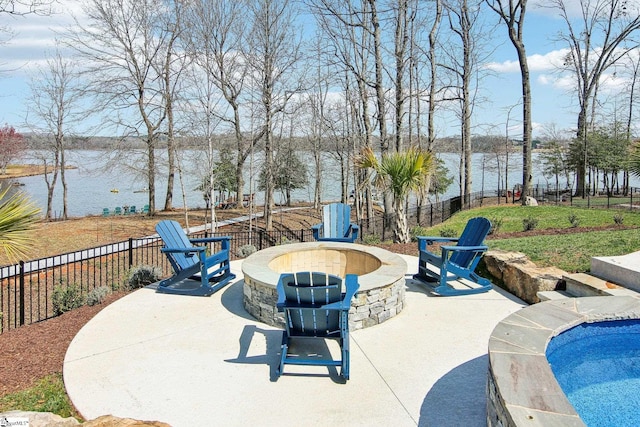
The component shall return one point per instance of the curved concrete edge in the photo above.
(521, 388)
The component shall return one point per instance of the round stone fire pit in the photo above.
(380, 275)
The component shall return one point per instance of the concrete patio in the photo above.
(194, 361)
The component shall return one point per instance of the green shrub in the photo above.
(97, 295)
(618, 219)
(66, 298)
(143, 275)
(529, 223)
(285, 241)
(417, 231)
(371, 239)
(574, 220)
(245, 250)
(448, 232)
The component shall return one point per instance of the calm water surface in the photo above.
(90, 184)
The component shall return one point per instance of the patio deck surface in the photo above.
(197, 361)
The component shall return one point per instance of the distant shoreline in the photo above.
(21, 171)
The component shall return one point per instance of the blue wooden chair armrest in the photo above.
(354, 230)
(210, 239)
(351, 287)
(424, 241)
(191, 250)
(316, 230)
(465, 248)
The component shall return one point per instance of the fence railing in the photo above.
(26, 288)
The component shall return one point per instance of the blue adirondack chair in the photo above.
(336, 224)
(195, 273)
(315, 308)
(105, 212)
(117, 210)
(455, 262)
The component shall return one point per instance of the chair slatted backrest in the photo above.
(473, 234)
(174, 237)
(304, 293)
(336, 219)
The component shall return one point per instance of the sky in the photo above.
(34, 39)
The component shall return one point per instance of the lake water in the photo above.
(90, 184)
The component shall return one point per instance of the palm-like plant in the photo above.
(399, 174)
(18, 215)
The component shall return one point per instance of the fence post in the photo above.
(130, 252)
(21, 283)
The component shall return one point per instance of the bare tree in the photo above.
(317, 119)
(26, 7)
(353, 30)
(215, 40)
(170, 67)
(597, 39)
(464, 58)
(123, 45)
(512, 14)
(273, 50)
(55, 105)
(433, 64)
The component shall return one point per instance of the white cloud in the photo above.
(536, 62)
(34, 37)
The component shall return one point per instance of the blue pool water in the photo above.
(598, 367)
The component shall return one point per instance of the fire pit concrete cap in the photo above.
(373, 265)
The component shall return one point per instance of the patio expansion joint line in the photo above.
(384, 380)
(131, 344)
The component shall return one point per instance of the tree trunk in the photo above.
(63, 181)
(400, 229)
(171, 156)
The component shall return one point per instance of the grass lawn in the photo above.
(47, 395)
(571, 252)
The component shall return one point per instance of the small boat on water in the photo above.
(114, 190)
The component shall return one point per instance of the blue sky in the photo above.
(34, 40)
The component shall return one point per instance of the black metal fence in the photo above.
(26, 288)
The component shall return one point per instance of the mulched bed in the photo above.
(32, 352)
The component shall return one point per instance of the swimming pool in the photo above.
(598, 367)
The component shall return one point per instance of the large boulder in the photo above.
(521, 277)
(111, 421)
